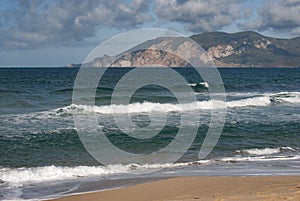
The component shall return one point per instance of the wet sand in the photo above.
(270, 188)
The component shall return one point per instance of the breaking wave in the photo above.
(145, 107)
(265, 151)
(21, 176)
(199, 84)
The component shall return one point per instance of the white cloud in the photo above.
(35, 23)
(281, 16)
(38, 23)
(200, 15)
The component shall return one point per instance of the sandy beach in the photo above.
(269, 188)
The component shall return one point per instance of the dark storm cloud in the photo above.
(38, 23)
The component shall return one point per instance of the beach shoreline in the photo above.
(202, 188)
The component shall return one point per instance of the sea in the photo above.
(42, 155)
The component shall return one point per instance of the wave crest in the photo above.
(146, 107)
(30, 175)
(199, 84)
(265, 151)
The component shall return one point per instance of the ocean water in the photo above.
(41, 155)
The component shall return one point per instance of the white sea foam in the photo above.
(259, 158)
(203, 84)
(259, 100)
(255, 101)
(288, 97)
(192, 84)
(51, 173)
(265, 151)
(20, 176)
(147, 107)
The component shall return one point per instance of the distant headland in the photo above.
(242, 49)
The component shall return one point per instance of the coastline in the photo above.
(202, 188)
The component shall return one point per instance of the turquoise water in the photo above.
(40, 145)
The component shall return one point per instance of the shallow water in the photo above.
(40, 146)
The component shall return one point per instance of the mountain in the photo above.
(250, 49)
(243, 49)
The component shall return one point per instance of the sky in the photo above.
(58, 32)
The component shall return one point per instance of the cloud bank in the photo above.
(34, 23)
(199, 16)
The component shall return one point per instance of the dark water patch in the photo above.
(62, 147)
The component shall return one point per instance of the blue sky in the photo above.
(58, 32)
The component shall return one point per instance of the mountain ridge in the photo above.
(241, 49)
(251, 49)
